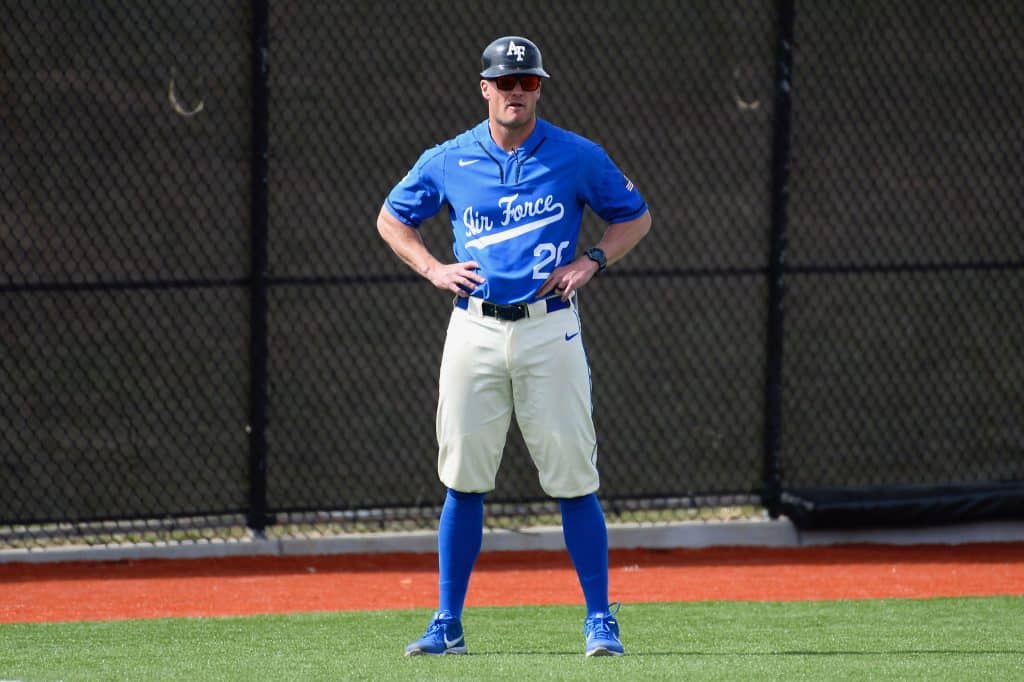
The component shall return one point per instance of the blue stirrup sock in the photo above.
(586, 538)
(460, 534)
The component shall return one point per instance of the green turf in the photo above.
(938, 639)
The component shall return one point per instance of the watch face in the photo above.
(597, 255)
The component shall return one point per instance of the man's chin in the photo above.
(515, 122)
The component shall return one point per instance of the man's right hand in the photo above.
(461, 279)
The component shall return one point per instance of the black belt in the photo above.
(510, 312)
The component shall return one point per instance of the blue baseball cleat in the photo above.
(443, 636)
(602, 633)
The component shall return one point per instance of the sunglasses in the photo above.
(529, 82)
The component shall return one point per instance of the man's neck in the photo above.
(511, 139)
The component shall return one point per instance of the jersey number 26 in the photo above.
(547, 253)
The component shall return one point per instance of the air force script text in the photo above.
(512, 213)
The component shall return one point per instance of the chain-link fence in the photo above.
(905, 267)
(203, 331)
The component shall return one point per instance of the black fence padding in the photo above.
(889, 506)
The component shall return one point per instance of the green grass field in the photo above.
(936, 639)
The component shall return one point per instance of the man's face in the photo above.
(510, 108)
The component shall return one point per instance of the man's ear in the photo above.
(485, 89)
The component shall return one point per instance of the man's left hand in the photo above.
(566, 280)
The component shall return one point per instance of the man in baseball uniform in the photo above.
(515, 188)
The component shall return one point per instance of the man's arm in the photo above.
(618, 240)
(406, 242)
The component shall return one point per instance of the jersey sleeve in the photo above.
(608, 192)
(420, 194)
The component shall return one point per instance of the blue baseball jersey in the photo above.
(516, 214)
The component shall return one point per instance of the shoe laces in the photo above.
(438, 625)
(601, 626)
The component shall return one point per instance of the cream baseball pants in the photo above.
(535, 367)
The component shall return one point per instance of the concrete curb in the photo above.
(692, 535)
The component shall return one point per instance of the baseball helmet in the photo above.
(512, 55)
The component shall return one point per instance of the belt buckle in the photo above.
(494, 310)
(507, 312)
(513, 312)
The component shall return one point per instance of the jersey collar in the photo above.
(483, 135)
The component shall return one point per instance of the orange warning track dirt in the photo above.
(252, 585)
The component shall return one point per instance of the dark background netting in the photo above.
(904, 364)
(123, 372)
(129, 223)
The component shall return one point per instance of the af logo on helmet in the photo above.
(518, 50)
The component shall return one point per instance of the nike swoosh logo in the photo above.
(570, 337)
(467, 162)
(449, 643)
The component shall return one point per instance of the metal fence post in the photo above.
(772, 473)
(257, 512)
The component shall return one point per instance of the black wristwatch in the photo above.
(597, 255)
